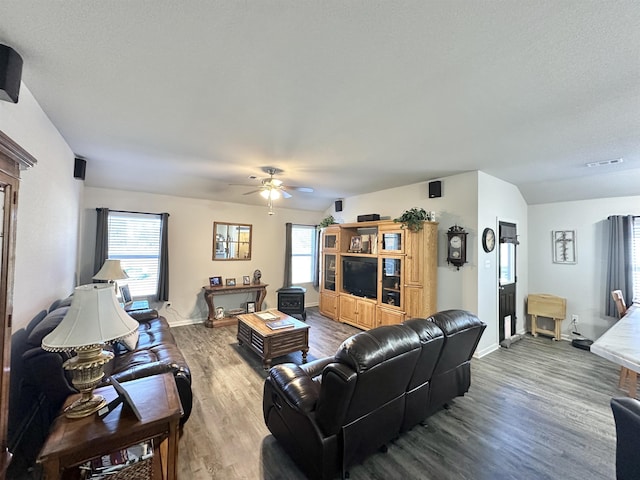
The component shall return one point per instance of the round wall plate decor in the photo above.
(488, 240)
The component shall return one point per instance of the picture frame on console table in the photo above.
(215, 281)
(246, 280)
(231, 282)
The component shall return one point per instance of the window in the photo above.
(134, 239)
(635, 247)
(303, 253)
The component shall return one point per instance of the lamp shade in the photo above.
(111, 270)
(94, 317)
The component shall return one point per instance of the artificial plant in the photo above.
(412, 219)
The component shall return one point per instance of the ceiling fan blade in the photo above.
(300, 189)
(285, 194)
(252, 191)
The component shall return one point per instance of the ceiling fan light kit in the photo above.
(270, 193)
(273, 188)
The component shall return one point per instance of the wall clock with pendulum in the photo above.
(457, 246)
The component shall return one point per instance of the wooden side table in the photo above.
(72, 442)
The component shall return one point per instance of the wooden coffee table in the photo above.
(269, 344)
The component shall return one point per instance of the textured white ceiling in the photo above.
(347, 97)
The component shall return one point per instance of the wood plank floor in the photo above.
(538, 410)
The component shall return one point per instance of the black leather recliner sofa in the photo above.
(334, 412)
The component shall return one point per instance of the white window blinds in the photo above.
(134, 239)
(303, 250)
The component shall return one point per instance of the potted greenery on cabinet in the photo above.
(326, 221)
(413, 219)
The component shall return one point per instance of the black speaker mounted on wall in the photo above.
(338, 205)
(10, 74)
(435, 189)
(80, 168)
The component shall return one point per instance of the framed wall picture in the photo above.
(251, 307)
(215, 281)
(231, 282)
(564, 246)
(246, 280)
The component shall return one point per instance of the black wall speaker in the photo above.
(338, 205)
(80, 168)
(10, 74)
(435, 189)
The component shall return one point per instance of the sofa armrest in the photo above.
(144, 315)
(315, 368)
(146, 370)
(296, 387)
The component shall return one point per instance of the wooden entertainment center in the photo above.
(378, 273)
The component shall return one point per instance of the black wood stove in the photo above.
(291, 301)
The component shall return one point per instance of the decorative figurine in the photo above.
(257, 275)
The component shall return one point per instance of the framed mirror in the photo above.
(231, 241)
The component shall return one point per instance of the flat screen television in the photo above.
(360, 276)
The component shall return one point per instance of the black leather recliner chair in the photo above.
(452, 375)
(626, 413)
(419, 388)
(334, 412)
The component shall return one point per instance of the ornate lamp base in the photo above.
(87, 371)
(81, 408)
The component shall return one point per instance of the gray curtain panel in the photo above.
(619, 266)
(287, 255)
(316, 261)
(163, 273)
(102, 239)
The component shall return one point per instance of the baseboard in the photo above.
(185, 321)
(486, 351)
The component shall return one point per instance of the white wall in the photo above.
(499, 201)
(582, 284)
(48, 210)
(191, 242)
(457, 206)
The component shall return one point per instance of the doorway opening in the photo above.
(507, 280)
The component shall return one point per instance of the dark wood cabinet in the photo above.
(12, 159)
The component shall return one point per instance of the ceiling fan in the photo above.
(273, 188)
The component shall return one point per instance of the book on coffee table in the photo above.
(267, 316)
(277, 324)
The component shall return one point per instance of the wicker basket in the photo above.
(138, 471)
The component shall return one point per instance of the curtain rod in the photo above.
(129, 211)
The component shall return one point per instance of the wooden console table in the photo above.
(72, 442)
(210, 292)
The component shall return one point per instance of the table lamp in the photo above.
(94, 318)
(110, 271)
